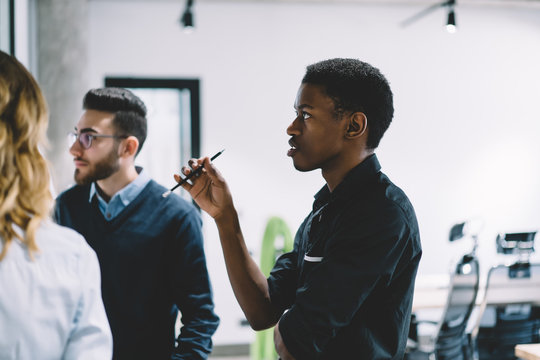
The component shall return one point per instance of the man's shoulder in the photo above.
(379, 198)
(172, 209)
(155, 191)
(74, 193)
(396, 197)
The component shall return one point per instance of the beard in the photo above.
(99, 170)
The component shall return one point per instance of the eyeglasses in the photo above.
(85, 139)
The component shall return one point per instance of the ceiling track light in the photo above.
(451, 20)
(187, 17)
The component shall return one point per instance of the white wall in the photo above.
(465, 137)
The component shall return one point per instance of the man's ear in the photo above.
(130, 146)
(357, 125)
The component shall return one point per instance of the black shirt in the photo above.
(348, 283)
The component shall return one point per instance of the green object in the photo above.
(263, 347)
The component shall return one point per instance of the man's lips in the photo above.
(79, 162)
(293, 148)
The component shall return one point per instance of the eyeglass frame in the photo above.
(91, 136)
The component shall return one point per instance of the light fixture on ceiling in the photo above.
(187, 17)
(451, 20)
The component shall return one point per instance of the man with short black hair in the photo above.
(346, 289)
(150, 248)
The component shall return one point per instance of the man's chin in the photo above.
(302, 168)
(80, 179)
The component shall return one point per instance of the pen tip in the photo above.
(166, 193)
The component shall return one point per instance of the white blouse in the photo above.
(51, 307)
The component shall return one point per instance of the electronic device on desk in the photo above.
(510, 312)
(449, 340)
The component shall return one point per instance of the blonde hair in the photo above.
(25, 198)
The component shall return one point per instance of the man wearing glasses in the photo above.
(150, 248)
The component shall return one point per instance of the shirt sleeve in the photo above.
(283, 280)
(361, 253)
(192, 291)
(91, 336)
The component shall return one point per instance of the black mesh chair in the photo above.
(510, 312)
(450, 340)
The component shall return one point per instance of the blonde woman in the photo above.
(50, 292)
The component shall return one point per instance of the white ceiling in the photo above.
(521, 3)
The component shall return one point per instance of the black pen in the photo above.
(191, 174)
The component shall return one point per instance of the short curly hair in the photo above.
(356, 86)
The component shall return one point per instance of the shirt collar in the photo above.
(357, 175)
(128, 192)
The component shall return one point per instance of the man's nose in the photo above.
(292, 129)
(76, 149)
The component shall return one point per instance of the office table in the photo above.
(528, 351)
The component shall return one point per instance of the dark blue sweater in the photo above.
(152, 264)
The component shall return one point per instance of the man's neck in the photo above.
(334, 175)
(109, 186)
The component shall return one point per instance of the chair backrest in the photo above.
(461, 300)
(507, 315)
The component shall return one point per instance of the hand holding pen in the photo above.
(189, 176)
(208, 189)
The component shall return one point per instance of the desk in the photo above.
(528, 351)
(431, 292)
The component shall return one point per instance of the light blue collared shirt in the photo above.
(122, 198)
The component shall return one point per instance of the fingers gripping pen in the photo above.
(190, 175)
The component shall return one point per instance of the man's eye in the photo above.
(305, 115)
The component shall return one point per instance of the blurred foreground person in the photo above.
(50, 287)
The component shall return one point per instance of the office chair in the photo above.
(450, 340)
(510, 311)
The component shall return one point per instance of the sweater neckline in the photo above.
(127, 211)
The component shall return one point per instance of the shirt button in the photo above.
(108, 215)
